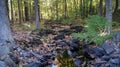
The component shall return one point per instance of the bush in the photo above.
(94, 30)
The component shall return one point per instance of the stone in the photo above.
(73, 46)
(115, 62)
(100, 64)
(117, 37)
(106, 58)
(76, 28)
(109, 48)
(115, 55)
(69, 52)
(33, 65)
(88, 54)
(10, 62)
(61, 43)
(60, 36)
(4, 50)
(78, 62)
(75, 54)
(2, 64)
(47, 56)
(65, 31)
(74, 40)
(98, 52)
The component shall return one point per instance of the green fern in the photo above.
(94, 27)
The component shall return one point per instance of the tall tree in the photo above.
(26, 10)
(5, 32)
(11, 7)
(37, 14)
(109, 10)
(108, 14)
(81, 8)
(90, 10)
(56, 9)
(19, 10)
(116, 6)
(100, 9)
(65, 8)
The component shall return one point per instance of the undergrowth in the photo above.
(94, 30)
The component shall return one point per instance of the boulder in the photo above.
(109, 48)
(2, 64)
(115, 62)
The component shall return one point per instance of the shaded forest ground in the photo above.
(47, 41)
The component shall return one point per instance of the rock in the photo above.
(115, 55)
(47, 56)
(45, 32)
(36, 42)
(10, 62)
(60, 36)
(109, 48)
(78, 62)
(2, 64)
(65, 31)
(100, 64)
(75, 54)
(69, 52)
(33, 65)
(61, 43)
(73, 46)
(88, 55)
(76, 28)
(72, 54)
(74, 40)
(106, 58)
(98, 52)
(117, 37)
(4, 50)
(115, 62)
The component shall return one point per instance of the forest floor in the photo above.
(53, 46)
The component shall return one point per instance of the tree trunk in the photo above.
(81, 8)
(19, 10)
(65, 8)
(5, 32)
(108, 15)
(26, 11)
(37, 14)
(109, 10)
(100, 8)
(90, 10)
(57, 10)
(12, 16)
(116, 6)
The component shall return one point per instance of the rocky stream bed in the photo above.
(39, 49)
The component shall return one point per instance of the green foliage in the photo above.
(94, 30)
(65, 60)
(66, 21)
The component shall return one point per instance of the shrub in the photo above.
(94, 30)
